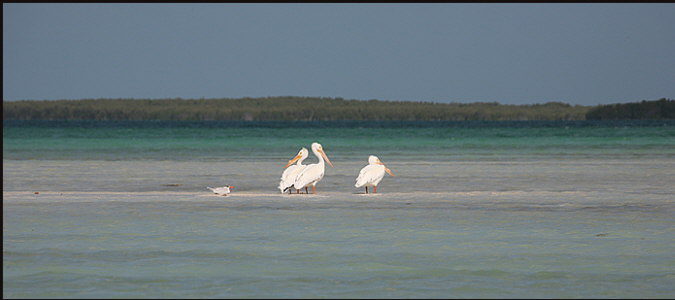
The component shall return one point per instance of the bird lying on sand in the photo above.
(222, 191)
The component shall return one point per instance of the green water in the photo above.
(204, 141)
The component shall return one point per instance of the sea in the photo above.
(475, 209)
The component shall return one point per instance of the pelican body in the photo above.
(222, 191)
(290, 173)
(313, 173)
(372, 174)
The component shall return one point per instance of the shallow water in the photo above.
(518, 219)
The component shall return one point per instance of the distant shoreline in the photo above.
(323, 109)
(332, 124)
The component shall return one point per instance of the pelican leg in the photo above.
(297, 191)
(366, 190)
(307, 191)
(313, 190)
(375, 190)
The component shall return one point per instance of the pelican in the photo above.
(372, 174)
(289, 175)
(223, 190)
(313, 173)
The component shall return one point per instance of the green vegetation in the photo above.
(325, 109)
(645, 110)
(283, 109)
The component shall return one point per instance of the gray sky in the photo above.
(512, 53)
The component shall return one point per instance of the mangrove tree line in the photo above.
(645, 110)
(283, 109)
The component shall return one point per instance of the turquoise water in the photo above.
(476, 210)
(404, 140)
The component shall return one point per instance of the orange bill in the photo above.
(326, 158)
(290, 162)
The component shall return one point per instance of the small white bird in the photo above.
(313, 173)
(289, 175)
(372, 174)
(222, 191)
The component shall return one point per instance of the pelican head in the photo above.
(302, 154)
(374, 160)
(317, 148)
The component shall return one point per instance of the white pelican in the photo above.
(372, 174)
(289, 175)
(312, 173)
(223, 190)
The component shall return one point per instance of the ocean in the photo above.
(517, 209)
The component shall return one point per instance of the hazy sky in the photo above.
(512, 53)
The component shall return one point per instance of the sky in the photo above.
(511, 53)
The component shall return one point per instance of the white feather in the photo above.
(313, 173)
(372, 174)
(292, 172)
